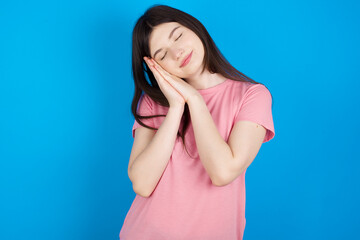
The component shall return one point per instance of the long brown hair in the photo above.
(145, 81)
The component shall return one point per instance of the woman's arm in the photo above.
(146, 168)
(223, 162)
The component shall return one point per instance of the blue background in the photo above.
(65, 126)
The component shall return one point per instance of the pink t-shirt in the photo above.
(185, 204)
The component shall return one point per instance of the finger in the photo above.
(156, 73)
(163, 84)
(166, 75)
(158, 76)
(148, 62)
(156, 65)
(153, 69)
(160, 68)
(161, 73)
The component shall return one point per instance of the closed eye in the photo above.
(175, 40)
(178, 37)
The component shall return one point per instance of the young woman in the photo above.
(208, 121)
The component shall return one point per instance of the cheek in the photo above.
(167, 68)
(172, 70)
(167, 65)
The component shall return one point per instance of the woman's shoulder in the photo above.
(240, 86)
(242, 89)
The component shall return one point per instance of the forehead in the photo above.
(159, 35)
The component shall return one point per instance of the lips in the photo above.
(186, 60)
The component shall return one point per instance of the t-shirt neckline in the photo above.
(213, 88)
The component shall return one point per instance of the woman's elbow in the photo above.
(141, 191)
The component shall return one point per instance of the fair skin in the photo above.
(183, 41)
(223, 161)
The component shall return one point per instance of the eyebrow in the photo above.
(171, 33)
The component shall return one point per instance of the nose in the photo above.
(177, 53)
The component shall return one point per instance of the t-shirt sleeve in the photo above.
(145, 108)
(256, 107)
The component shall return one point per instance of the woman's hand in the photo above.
(186, 90)
(174, 98)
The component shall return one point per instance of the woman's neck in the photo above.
(205, 80)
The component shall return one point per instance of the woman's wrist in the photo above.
(194, 98)
(177, 108)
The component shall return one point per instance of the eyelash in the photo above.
(175, 40)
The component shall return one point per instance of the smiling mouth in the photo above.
(186, 60)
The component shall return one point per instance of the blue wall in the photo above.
(65, 124)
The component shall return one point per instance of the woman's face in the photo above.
(171, 43)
